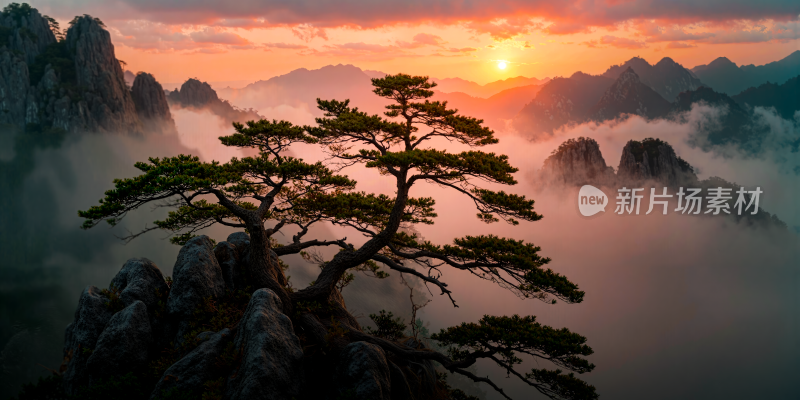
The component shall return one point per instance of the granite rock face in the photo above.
(30, 34)
(15, 88)
(654, 160)
(87, 93)
(190, 373)
(151, 104)
(196, 275)
(82, 334)
(124, 345)
(272, 360)
(107, 98)
(140, 279)
(363, 372)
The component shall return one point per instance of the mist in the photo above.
(675, 306)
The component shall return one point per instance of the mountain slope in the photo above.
(785, 98)
(734, 124)
(561, 101)
(628, 95)
(667, 77)
(495, 110)
(725, 76)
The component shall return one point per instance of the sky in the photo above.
(248, 40)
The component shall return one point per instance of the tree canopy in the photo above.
(271, 191)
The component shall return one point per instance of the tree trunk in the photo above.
(263, 268)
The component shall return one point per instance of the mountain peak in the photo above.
(666, 61)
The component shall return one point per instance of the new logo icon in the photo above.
(591, 200)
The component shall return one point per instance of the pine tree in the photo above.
(272, 191)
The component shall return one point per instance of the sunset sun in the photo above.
(501, 65)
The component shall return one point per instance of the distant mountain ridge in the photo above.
(450, 85)
(784, 98)
(666, 77)
(628, 95)
(725, 76)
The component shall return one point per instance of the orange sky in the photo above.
(257, 39)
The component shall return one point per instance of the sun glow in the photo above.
(501, 65)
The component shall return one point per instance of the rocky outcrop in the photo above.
(577, 162)
(82, 334)
(629, 96)
(109, 103)
(195, 94)
(272, 359)
(196, 276)
(29, 34)
(140, 280)
(199, 366)
(653, 159)
(75, 85)
(151, 104)
(124, 345)
(363, 373)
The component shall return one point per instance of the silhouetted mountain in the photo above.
(723, 75)
(451, 85)
(667, 77)
(495, 110)
(199, 95)
(302, 87)
(784, 98)
(734, 124)
(628, 95)
(577, 162)
(561, 101)
(654, 159)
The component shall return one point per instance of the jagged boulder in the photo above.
(272, 359)
(124, 345)
(140, 279)
(199, 366)
(196, 276)
(577, 162)
(82, 334)
(363, 373)
(151, 104)
(109, 104)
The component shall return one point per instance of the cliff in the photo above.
(74, 84)
(654, 159)
(151, 104)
